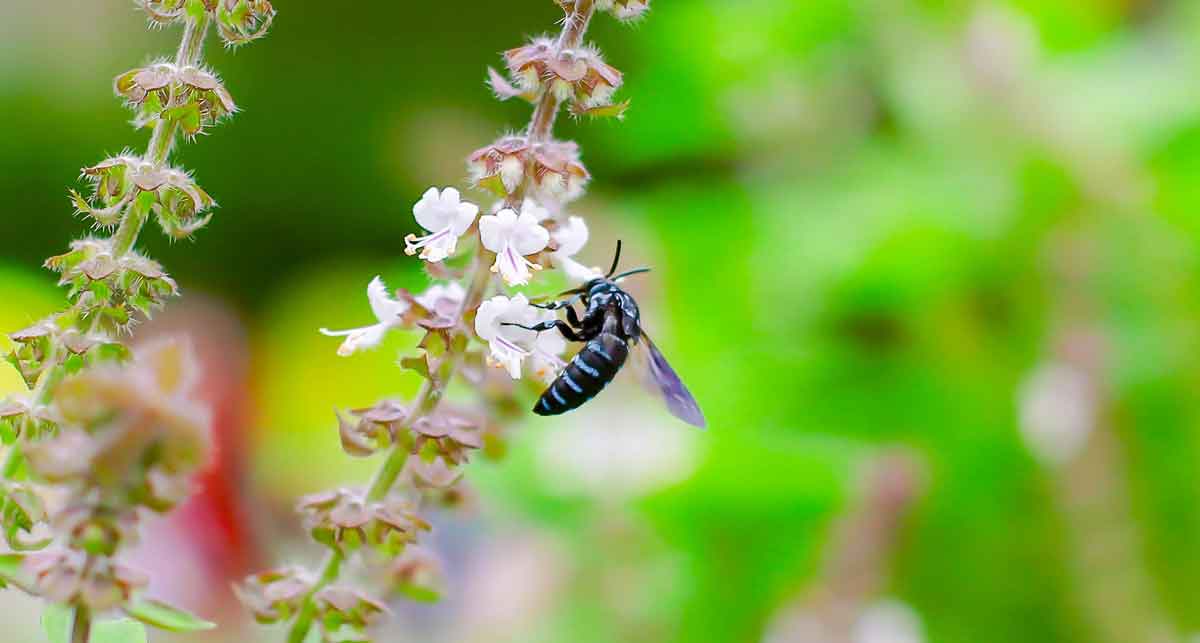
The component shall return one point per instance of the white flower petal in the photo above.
(438, 295)
(387, 309)
(571, 236)
(464, 216)
(444, 215)
(507, 344)
(494, 229)
(528, 236)
(535, 210)
(487, 324)
(513, 268)
(358, 338)
(576, 271)
(428, 211)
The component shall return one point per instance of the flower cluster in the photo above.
(128, 436)
(106, 431)
(550, 171)
(474, 327)
(190, 96)
(238, 21)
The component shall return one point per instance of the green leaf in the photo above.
(419, 593)
(8, 431)
(493, 184)
(166, 617)
(11, 566)
(188, 117)
(125, 630)
(56, 622)
(616, 110)
(418, 364)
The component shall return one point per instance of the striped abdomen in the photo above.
(587, 374)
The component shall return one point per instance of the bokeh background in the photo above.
(930, 268)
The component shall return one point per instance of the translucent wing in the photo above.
(662, 380)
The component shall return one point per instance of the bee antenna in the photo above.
(616, 261)
(629, 273)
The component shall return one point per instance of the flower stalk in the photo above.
(112, 430)
(426, 440)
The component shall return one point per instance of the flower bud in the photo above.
(501, 166)
(343, 520)
(128, 427)
(340, 606)
(528, 63)
(275, 595)
(109, 287)
(241, 21)
(558, 175)
(21, 511)
(68, 576)
(192, 96)
(448, 433)
(126, 182)
(418, 574)
(375, 429)
(624, 9)
(579, 76)
(238, 21)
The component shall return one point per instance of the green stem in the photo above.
(131, 225)
(426, 401)
(81, 624)
(430, 395)
(574, 27)
(329, 573)
(158, 151)
(12, 461)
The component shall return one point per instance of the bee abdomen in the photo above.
(586, 375)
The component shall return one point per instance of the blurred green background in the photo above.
(964, 232)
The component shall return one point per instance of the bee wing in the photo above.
(660, 379)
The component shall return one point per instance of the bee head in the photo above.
(608, 281)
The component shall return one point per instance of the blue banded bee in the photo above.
(610, 328)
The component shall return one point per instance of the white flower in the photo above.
(512, 237)
(1057, 407)
(443, 299)
(389, 312)
(446, 217)
(538, 212)
(508, 344)
(888, 621)
(571, 237)
(547, 349)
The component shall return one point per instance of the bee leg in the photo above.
(573, 317)
(559, 324)
(557, 305)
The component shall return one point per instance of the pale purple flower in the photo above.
(388, 311)
(571, 237)
(512, 237)
(446, 217)
(508, 345)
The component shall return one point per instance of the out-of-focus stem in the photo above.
(329, 573)
(857, 560)
(81, 624)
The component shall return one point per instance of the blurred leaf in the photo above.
(56, 622)
(167, 617)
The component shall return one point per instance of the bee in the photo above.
(610, 329)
